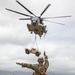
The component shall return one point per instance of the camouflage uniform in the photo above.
(40, 69)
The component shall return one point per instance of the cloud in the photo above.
(12, 35)
(11, 32)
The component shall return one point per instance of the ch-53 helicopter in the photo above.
(37, 26)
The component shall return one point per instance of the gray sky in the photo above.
(59, 42)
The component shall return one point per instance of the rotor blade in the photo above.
(18, 12)
(56, 17)
(25, 8)
(45, 9)
(24, 19)
(54, 22)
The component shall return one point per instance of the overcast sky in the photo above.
(59, 42)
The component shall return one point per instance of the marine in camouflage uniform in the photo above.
(39, 69)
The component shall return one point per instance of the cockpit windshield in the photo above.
(35, 20)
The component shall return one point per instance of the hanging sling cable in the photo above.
(33, 50)
(35, 43)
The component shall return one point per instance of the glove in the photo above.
(45, 56)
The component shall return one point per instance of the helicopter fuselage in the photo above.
(37, 29)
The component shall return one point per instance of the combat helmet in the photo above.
(40, 59)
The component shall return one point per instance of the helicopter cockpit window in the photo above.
(35, 20)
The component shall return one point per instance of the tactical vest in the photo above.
(41, 70)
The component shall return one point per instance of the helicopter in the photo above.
(37, 26)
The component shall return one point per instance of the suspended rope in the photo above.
(35, 42)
